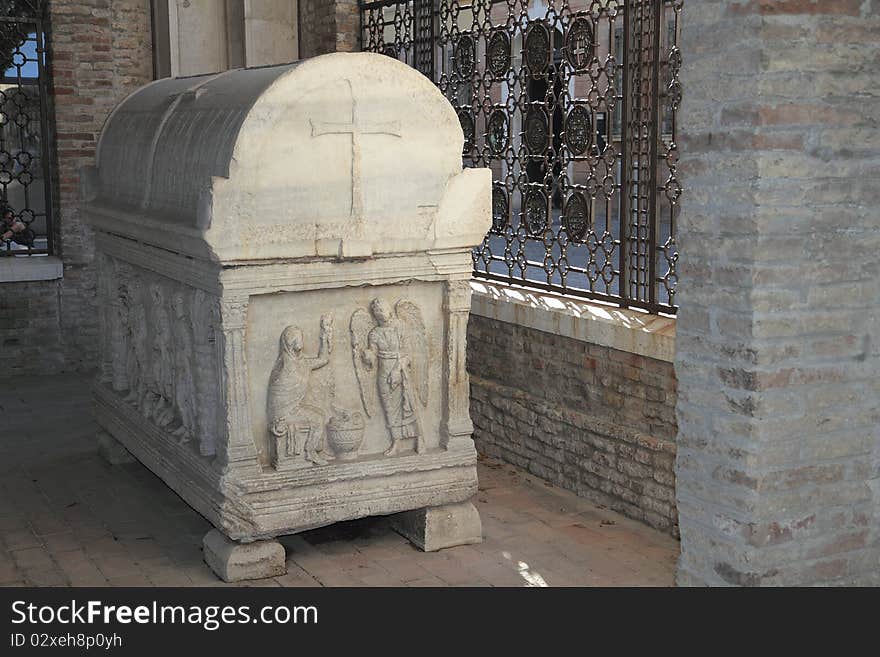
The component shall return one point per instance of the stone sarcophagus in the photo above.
(284, 258)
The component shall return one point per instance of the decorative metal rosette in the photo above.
(390, 50)
(579, 43)
(467, 127)
(537, 130)
(500, 209)
(496, 131)
(576, 216)
(535, 211)
(578, 130)
(536, 48)
(464, 55)
(498, 53)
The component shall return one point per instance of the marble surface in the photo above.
(284, 265)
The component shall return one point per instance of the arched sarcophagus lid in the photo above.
(340, 155)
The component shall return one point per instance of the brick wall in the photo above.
(778, 342)
(30, 341)
(99, 51)
(595, 420)
(328, 26)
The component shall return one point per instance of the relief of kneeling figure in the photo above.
(297, 426)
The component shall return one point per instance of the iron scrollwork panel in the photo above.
(25, 161)
(572, 105)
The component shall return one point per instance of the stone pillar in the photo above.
(270, 31)
(198, 37)
(209, 36)
(778, 337)
(328, 26)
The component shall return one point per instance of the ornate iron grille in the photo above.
(25, 161)
(572, 104)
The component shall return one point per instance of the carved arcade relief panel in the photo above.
(160, 351)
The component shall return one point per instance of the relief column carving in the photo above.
(237, 451)
(208, 349)
(457, 303)
(184, 361)
(118, 340)
(160, 402)
(108, 317)
(133, 320)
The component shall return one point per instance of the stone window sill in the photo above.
(632, 331)
(20, 269)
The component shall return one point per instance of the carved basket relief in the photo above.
(341, 375)
(160, 351)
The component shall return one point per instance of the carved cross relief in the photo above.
(356, 129)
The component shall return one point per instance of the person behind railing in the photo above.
(14, 229)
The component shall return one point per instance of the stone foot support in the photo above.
(112, 450)
(234, 562)
(437, 527)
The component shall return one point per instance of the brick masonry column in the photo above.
(100, 51)
(778, 336)
(328, 26)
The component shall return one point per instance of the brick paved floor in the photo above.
(69, 518)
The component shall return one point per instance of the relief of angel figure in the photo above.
(390, 351)
(297, 425)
